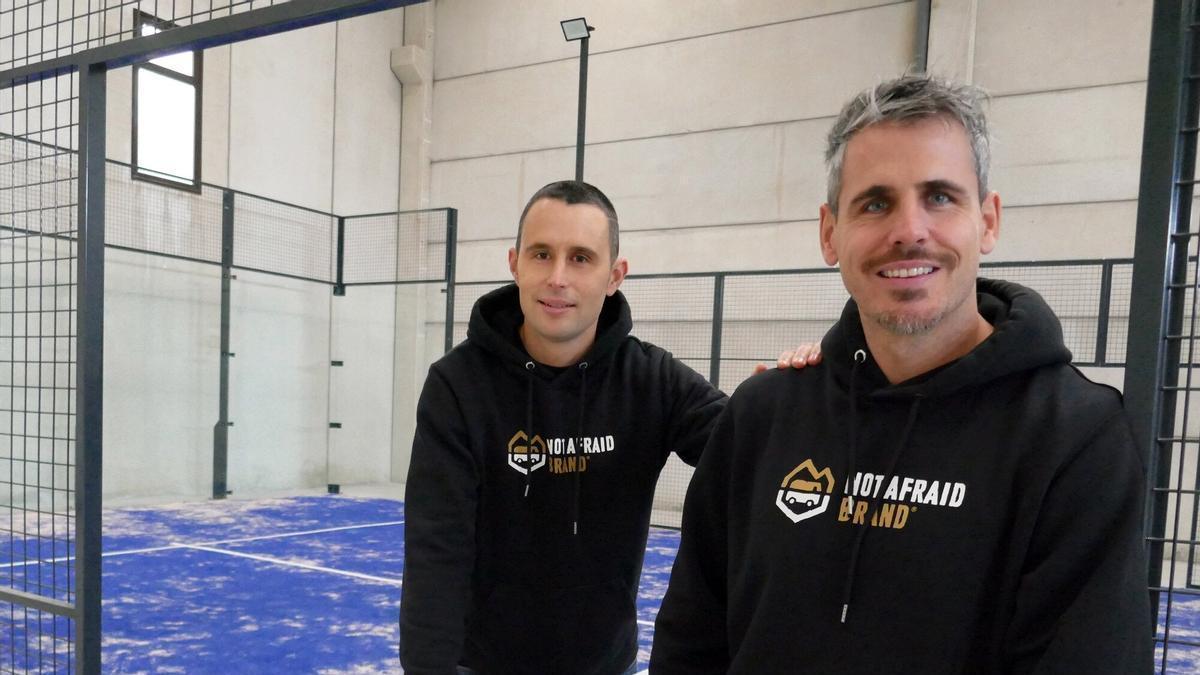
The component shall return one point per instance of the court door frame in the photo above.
(89, 69)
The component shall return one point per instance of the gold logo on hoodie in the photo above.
(805, 492)
(524, 455)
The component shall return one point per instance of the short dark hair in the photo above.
(576, 192)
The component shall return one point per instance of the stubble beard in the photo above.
(910, 324)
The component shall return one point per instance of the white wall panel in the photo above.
(782, 72)
(489, 192)
(281, 117)
(1033, 45)
(1065, 147)
(361, 390)
(119, 114)
(1093, 230)
(161, 340)
(278, 383)
(754, 175)
(366, 156)
(214, 136)
(484, 36)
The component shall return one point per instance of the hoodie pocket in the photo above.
(577, 629)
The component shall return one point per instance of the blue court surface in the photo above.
(297, 585)
(310, 585)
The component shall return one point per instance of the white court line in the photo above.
(297, 534)
(288, 563)
(176, 545)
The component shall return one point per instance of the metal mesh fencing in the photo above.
(466, 295)
(33, 31)
(1176, 492)
(154, 218)
(675, 314)
(1073, 292)
(1118, 313)
(764, 313)
(284, 239)
(38, 252)
(408, 246)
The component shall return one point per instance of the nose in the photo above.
(910, 223)
(558, 273)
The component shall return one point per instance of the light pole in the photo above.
(578, 29)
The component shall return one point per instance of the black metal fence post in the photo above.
(220, 483)
(1103, 309)
(581, 124)
(339, 287)
(718, 319)
(451, 254)
(921, 36)
(1159, 270)
(90, 366)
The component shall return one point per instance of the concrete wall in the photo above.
(311, 118)
(706, 126)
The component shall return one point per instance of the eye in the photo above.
(541, 255)
(941, 198)
(875, 206)
(580, 258)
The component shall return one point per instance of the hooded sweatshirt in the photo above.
(985, 517)
(529, 495)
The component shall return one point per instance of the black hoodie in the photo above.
(984, 517)
(512, 569)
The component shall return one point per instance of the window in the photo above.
(166, 113)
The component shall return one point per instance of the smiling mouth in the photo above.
(555, 304)
(907, 272)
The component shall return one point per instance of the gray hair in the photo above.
(577, 192)
(910, 98)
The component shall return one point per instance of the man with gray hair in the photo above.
(963, 500)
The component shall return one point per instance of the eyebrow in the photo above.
(942, 185)
(540, 246)
(873, 192)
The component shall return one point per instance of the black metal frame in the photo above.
(196, 81)
(90, 365)
(92, 66)
(1160, 278)
(451, 264)
(921, 36)
(220, 481)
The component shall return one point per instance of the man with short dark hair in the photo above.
(962, 499)
(538, 447)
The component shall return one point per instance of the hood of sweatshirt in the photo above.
(1026, 336)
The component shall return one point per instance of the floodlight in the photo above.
(576, 29)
